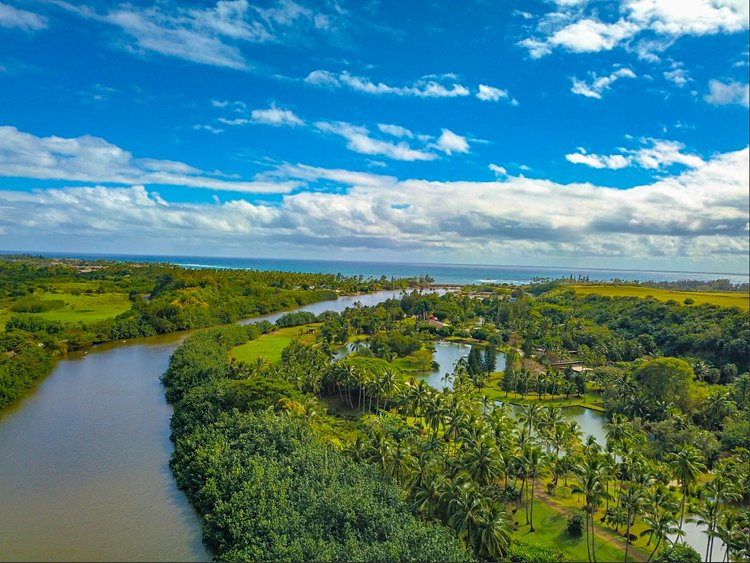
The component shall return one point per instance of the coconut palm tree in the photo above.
(535, 465)
(483, 462)
(632, 500)
(589, 484)
(686, 465)
(493, 532)
(661, 524)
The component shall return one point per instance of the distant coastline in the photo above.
(442, 274)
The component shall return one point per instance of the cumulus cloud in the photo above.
(359, 140)
(93, 159)
(11, 17)
(656, 154)
(613, 161)
(698, 214)
(678, 76)
(449, 142)
(499, 171)
(492, 94)
(643, 25)
(395, 130)
(276, 116)
(721, 94)
(599, 84)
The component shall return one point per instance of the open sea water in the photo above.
(458, 274)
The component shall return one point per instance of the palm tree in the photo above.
(686, 466)
(464, 508)
(529, 416)
(708, 514)
(493, 532)
(662, 525)
(535, 466)
(589, 484)
(632, 499)
(483, 462)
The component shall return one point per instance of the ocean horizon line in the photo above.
(107, 255)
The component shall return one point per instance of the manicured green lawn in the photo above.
(721, 298)
(551, 530)
(269, 346)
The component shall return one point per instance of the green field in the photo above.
(721, 298)
(84, 307)
(551, 530)
(269, 346)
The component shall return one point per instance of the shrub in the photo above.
(575, 524)
(678, 553)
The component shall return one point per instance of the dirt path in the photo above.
(634, 553)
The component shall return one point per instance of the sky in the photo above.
(609, 134)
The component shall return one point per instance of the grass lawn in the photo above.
(86, 307)
(269, 346)
(564, 497)
(551, 530)
(722, 298)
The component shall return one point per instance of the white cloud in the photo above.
(599, 84)
(422, 88)
(499, 171)
(590, 36)
(210, 35)
(359, 140)
(663, 153)
(11, 17)
(492, 94)
(395, 130)
(689, 17)
(576, 28)
(657, 154)
(449, 142)
(698, 217)
(276, 116)
(613, 161)
(92, 159)
(678, 76)
(209, 128)
(722, 94)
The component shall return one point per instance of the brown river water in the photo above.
(84, 459)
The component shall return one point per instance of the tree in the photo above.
(686, 465)
(661, 524)
(589, 484)
(668, 380)
(632, 499)
(489, 359)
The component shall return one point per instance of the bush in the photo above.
(678, 553)
(575, 524)
(524, 552)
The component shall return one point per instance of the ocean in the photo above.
(458, 274)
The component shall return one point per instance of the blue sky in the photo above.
(560, 133)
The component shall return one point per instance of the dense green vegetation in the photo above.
(472, 468)
(267, 487)
(51, 306)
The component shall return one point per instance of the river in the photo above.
(84, 459)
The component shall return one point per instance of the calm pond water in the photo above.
(84, 459)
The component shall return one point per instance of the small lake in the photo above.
(447, 355)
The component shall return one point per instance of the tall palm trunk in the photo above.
(588, 545)
(682, 506)
(627, 538)
(593, 537)
(533, 482)
(658, 541)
